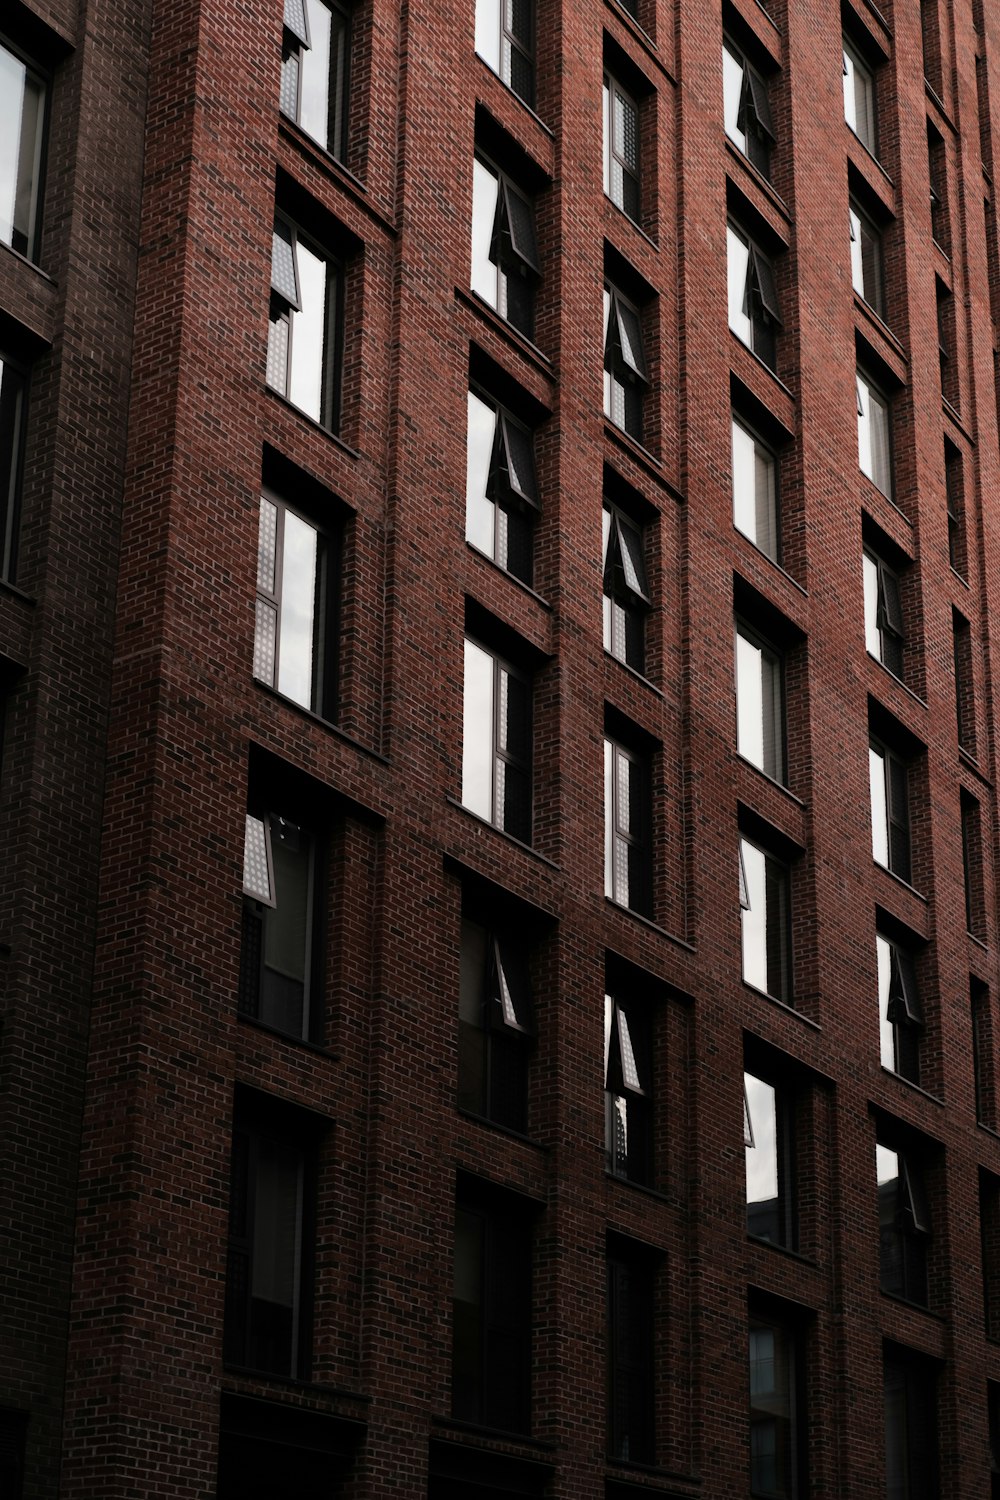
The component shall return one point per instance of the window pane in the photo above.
(880, 811)
(887, 1045)
(763, 1215)
(299, 580)
(287, 930)
(308, 355)
(480, 524)
(314, 62)
(754, 918)
(21, 109)
(873, 638)
(732, 95)
(738, 262)
(485, 194)
(477, 743)
(488, 32)
(750, 701)
(754, 491)
(276, 1257)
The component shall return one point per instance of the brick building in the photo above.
(571, 1071)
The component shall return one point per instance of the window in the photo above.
(753, 297)
(937, 173)
(631, 1327)
(626, 590)
(947, 334)
(314, 59)
(874, 447)
(955, 494)
(294, 650)
(887, 776)
(625, 373)
(866, 258)
(501, 491)
(989, 1234)
(505, 40)
(767, 1138)
(491, 1311)
(760, 703)
(993, 1400)
(12, 389)
(883, 613)
(765, 921)
(279, 940)
(621, 148)
(972, 864)
(746, 111)
(627, 831)
(504, 251)
(859, 98)
(964, 696)
(496, 755)
(627, 1090)
(982, 1054)
(911, 1442)
(775, 1458)
(302, 342)
(904, 1224)
(900, 1013)
(755, 491)
(268, 1231)
(495, 1027)
(22, 122)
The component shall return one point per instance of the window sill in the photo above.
(881, 327)
(641, 455)
(955, 418)
(501, 832)
(653, 244)
(920, 1307)
(488, 1124)
(512, 577)
(32, 265)
(779, 786)
(11, 588)
(524, 105)
(304, 416)
(488, 1434)
(506, 330)
(289, 1382)
(331, 728)
(648, 922)
(335, 169)
(761, 363)
(963, 581)
(634, 673)
(916, 698)
(979, 942)
(870, 155)
(783, 1005)
(914, 1087)
(785, 1250)
(288, 1036)
(758, 179)
(900, 881)
(641, 34)
(631, 1466)
(773, 561)
(644, 1188)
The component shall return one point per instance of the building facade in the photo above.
(498, 908)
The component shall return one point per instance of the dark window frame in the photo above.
(624, 189)
(27, 241)
(760, 300)
(516, 47)
(13, 426)
(620, 833)
(777, 1224)
(777, 1465)
(517, 822)
(631, 1352)
(898, 824)
(629, 1092)
(627, 595)
(777, 932)
(889, 619)
(869, 236)
(626, 367)
(775, 766)
(296, 39)
(254, 1002)
(511, 488)
(753, 118)
(286, 305)
(329, 550)
(901, 1009)
(905, 1228)
(496, 1027)
(513, 249)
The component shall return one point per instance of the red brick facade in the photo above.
(337, 1202)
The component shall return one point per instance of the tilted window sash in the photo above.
(512, 464)
(284, 266)
(904, 1007)
(624, 565)
(258, 862)
(514, 228)
(508, 989)
(755, 109)
(890, 604)
(623, 350)
(761, 294)
(297, 22)
(621, 1066)
(744, 890)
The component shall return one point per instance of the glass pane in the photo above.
(880, 813)
(738, 263)
(298, 610)
(21, 107)
(256, 866)
(286, 928)
(873, 637)
(732, 94)
(887, 1046)
(477, 741)
(762, 1156)
(265, 642)
(283, 278)
(276, 1255)
(606, 105)
(754, 918)
(485, 194)
(749, 701)
(472, 972)
(479, 508)
(277, 354)
(306, 376)
(630, 334)
(488, 32)
(626, 131)
(267, 536)
(314, 104)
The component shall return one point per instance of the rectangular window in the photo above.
(947, 334)
(982, 1053)
(746, 111)
(294, 648)
(764, 912)
(631, 1326)
(496, 746)
(495, 1026)
(972, 864)
(278, 956)
(904, 1224)
(12, 414)
(883, 613)
(627, 830)
(900, 1013)
(504, 250)
(314, 60)
(626, 376)
(989, 1233)
(874, 442)
(755, 491)
(491, 1313)
(505, 40)
(911, 1440)
(937, 173)
(302, 343)
(628, 1090)
(866, 258)
(265, 1322)
(501, 490)
(626, 589)
(955, 496)
(13, 1432)
(22, 129)
(768, 1143)
(760, 703)
(775, 1458)
(753, 296)
(887, 776)
(621, 148)
(965, 702)
(993, 1400)
(859, 98)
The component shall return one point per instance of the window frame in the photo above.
(867, 115)
(905, 1226)
(510, 488)
(774, 766)
(629, 1094)
(770, 507)
(498, 45)
(257, 906)
(13, 429)
(895, 830)
(789, 1484)
(513, 249)
(505, 1241)
(910, 1403)
(872, 283)
(286, 305)
(619, 834)
(777, 928)
(901, 1011)
(626, 368)
(754, 138)
(631, 1354)
(758, 309)
(297, 39)
(500, 753)
(878, 436)
(777, 1225)
(883, 604)
(622, 180)
(627, 599)
(26, 240)
(322, 697)
(496, 1027)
